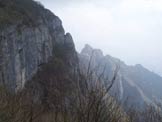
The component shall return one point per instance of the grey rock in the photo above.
(24, 48)
(134, 84)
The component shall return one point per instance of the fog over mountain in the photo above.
(133, 83)
(43, 78)
(127, 29)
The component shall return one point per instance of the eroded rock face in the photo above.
(134, 84)
(23, 48)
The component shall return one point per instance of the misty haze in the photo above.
(127, 29)
(80, 61)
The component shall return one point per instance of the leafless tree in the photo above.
(50, 98)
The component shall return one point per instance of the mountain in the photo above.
(39, 79)
(30, 36)
(42, 78)
(134, 84)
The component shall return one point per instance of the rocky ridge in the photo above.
(134, 84)
(24, 47)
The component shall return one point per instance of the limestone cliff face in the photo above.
(25, 47)
(134, 84)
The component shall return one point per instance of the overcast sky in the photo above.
(127, 29)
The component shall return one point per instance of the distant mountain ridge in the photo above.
(135, 83)
(31, 36)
